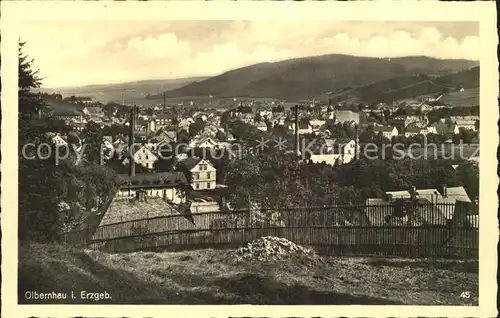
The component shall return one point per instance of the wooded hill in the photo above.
(304, 78)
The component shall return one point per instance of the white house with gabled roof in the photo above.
(202, 171)
(59, 141)
(143, 156)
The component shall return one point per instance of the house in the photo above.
(261, 126)
(316, 124)
(344, 146)
(229, 137)
(146, 124)
(386, 131)
(466, 124)
(108, 146)
(143, 156)
(347, 147)
(108, 138)
(202, 171)
(160, 121)
(304, 127)
(469, 117)
(342, 116)
(199, 205)
(399, 122)
(210, 130)
(331, 159)
(78, 126)
(92, 111)
(434, 207)
(246, 118)
(161, 184)
(403, 121)
(265, 113)
(202, 142)
(432, 98)
(181, 157)
(443, 196)
(58, 140)
(68, 116)
(413, 131)
(200, 115)
(162, 143)
(425, 108)
(184, 123)
(119, 141)
(144, 196)
(323, 108)
(335, 152)
(279, 120)
(163, 135)
(431, 130)
(444, 128)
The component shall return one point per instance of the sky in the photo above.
(77, 53)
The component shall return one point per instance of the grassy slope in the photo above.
(303, 78)
(413, 86)
(214, 277)
(466, 98)
(62, 105)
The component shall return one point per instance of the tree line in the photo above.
(55, 196)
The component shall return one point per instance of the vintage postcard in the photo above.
(253, 159)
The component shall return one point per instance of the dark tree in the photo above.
(196, 127)
(92, 136)
(220, 136)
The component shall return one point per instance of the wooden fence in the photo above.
(440, 230)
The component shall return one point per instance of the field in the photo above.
(469, 97)
(62, 105)
(215, 277)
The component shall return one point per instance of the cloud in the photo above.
(165, 45)
(79, 53)
(401, 43)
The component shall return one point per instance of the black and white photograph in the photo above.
(250, 161)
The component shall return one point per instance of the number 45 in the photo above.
(465, 294)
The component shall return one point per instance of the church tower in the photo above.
(331, 109)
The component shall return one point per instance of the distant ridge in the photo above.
(303, 78)
(130, 90)
(125, 85)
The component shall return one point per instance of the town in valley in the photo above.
(203, 184)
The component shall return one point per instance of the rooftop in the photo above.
(413, 129)
(346, 115)
(158, 179)
(190, 162)
(121, 210)
(383, 128)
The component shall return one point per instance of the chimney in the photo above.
(444, 190)
(131, 141)
(356, 150)
(297, 142)
(413, 192)
(141, 195)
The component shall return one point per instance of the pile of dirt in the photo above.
(270, 248)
